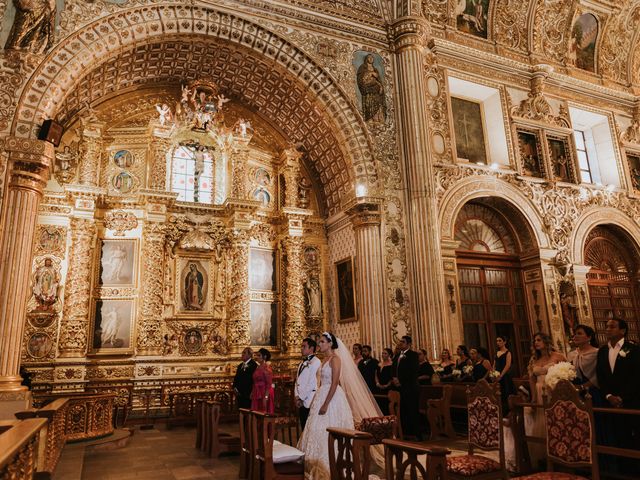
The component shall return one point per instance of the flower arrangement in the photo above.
(559, 371)
(456, 372)
(494, 374)
(439, 370)
(468, 369)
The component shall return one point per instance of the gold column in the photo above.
(423, 243)
(290, 168)
(90, 151)
(369, 270)
(294, 321)
(149, 341)
(29, 164)
(239, 330)
(74, 326)
(240, 156)
(159, 148)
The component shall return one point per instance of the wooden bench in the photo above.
(401, 460)
(349, 454)
(19, 449)
(213, 442)
(435, 404)
(263, 433)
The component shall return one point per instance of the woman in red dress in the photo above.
(262, 395)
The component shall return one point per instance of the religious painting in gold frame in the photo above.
(633, 159)
(263, 270)
(112, 326)
(264, 324)
(468, 127)
(118, 262)
(345, 290)
(530, 153)
(561, 158)
(194, 274)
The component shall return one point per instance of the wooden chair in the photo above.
(263, 433)
(394, 408)
(439, 414)
(199, 421)
(246, 446)
(215, 442)
(349, 455)
(401, 460)
(570, 434)
(484, 409)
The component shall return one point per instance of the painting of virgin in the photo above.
(582, 48)
(194, 287)
(370, 91)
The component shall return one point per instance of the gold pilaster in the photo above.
(239, 159)
(159, 149)
(290, 169)
(29, 165)
(90, 151)
(425, 265)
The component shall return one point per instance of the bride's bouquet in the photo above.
(559, 371)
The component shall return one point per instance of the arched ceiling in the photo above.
(541, 30)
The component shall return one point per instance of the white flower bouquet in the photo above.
(468, 369)
(456, 372)
(439, 370)
(559, 371)
(494, 374)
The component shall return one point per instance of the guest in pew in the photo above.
(262, 395)
(502, 364)
(446, 366)
(384, 377)
(368, 368)
(585, 358)
(463, 361)
(356, 349)
(481, 363)
(243, 381)
(617, 371)
(425, 370)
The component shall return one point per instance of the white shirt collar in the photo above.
(617, 345)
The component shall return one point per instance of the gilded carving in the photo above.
(510, 24)
(437, 102)
(294, 318)
(552, 28)
(238, 294)
(120, 221)
(616, 45)
(632, 132)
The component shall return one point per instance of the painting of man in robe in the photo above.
(264, 323)
(469, 130)
(112, 324)
(530, 154)
(346, 291)
(194, 286)
(582, 48)
(117, 262)
(370, 91)
(471, 16)
(560, 160)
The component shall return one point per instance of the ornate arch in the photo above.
(594, 217)
(86, 49)
(472, 188)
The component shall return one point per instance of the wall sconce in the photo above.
(452, 302)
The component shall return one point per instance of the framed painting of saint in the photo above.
(39, 345)
(530, 151)
(468, 126)
(370, 86)
(262, 269)
(264, 323)
(471, 17)
(118, 263)
(112, 326)
(634, 170)
(194, 286)
(346, 295)
(561, 159)
(584, 37)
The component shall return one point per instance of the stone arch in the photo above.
(479, 187)
(594, 217)
(65, 66)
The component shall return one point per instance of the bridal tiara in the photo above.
(327, 335)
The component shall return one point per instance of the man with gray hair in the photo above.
(243, 381)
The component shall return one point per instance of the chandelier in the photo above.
(198, 115)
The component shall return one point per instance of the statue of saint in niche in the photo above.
(33, 27)
(314, 297)
(45, 286)
(371, 88)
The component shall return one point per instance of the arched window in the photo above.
(192, 173)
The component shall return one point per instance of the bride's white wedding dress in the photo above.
(314, 440)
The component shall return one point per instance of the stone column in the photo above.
(423, 243)
(150, 341)
(29, 165)
(290, 169)
(239, 330)
(90, 153)
(294, 319)
(240, 157)
(373, 316)
(159, 148)
(74, 326)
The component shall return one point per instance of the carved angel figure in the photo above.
(165, 113)
(33, 27)
(65, 164)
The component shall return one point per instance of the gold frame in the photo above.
(278, 343)
(569, 142)
(98, 264)
(337, 291)
(92, 350)
(483, 120)
(207, 260)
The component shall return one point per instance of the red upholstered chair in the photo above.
(380, 428)
(570, 435)
(266, 464)
(485, 433)
(349, 455)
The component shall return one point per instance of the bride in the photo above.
(342, 399)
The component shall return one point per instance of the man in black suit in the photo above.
(617, 369)
(368, 367)
(243, 381)
(405, 366)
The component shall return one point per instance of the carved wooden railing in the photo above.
(50, 449)
(19, 448)
(182, 405)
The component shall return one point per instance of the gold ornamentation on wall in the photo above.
(294, 318)
(120, 221)
(239, 326)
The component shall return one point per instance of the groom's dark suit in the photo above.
(405, 367)
(243, 383)
(623, 381)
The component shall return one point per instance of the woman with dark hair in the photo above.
(425, 370)
(262, 395)
(463, 361)
(384, 375)
(584, 358)
(502, 363)
(446, 365)
(481, 363)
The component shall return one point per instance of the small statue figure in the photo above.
(33, 27)
(314, 297)
(304, 192)
(66, 161)
(46, 286)
(221, 101)
(165, 113)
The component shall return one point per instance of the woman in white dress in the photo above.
(342, 399)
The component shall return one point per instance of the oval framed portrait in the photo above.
(263, 177)
(39, 345)
(192, 341)
(262, 196)
(123, 159)
(123, 182)
(311, 256)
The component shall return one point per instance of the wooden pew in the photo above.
(19, 452)
(262, 437)
(213, 442)
(435, 404)
(349, 454)
(401, 460)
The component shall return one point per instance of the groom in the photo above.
(405, 368)
(306, 380)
